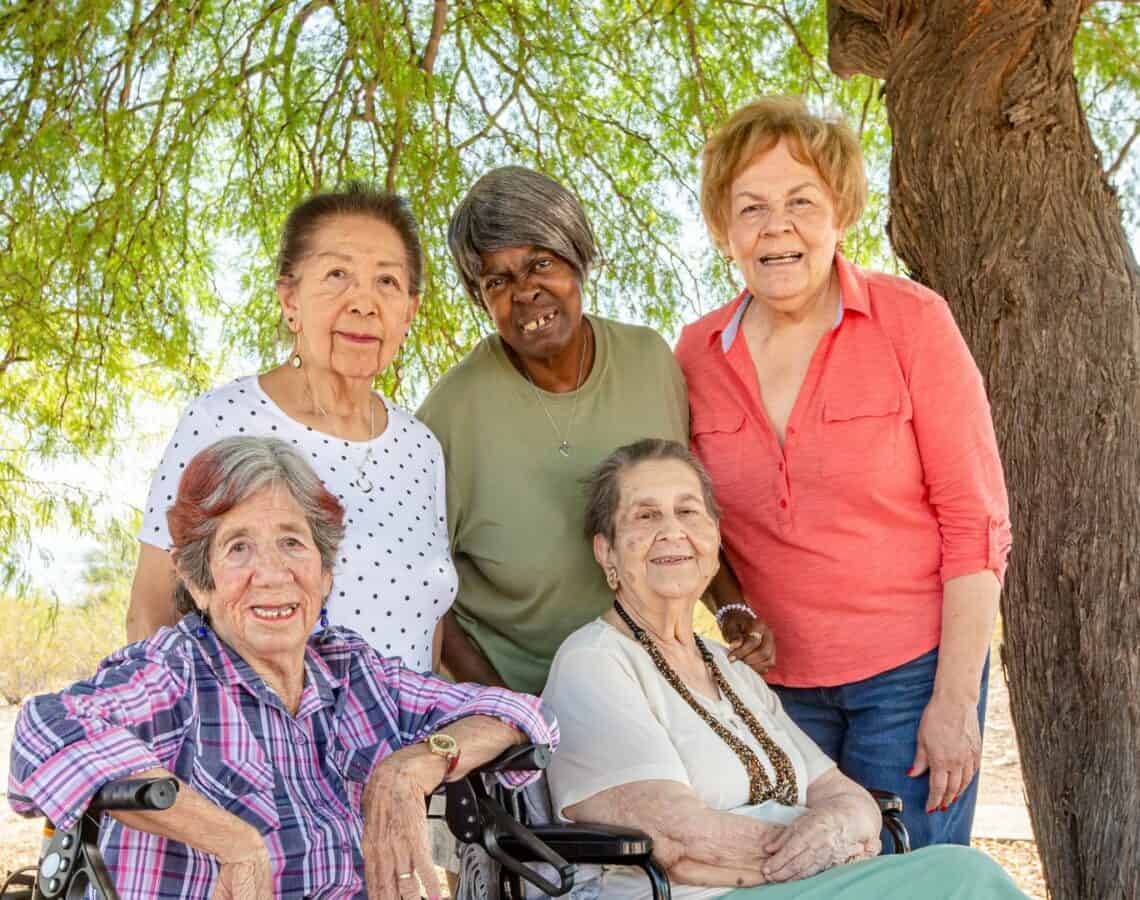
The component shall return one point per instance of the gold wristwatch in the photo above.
(446, 746)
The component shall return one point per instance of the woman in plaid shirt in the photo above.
(302, 755)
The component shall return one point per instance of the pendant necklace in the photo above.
(361, 482)
(563, 439)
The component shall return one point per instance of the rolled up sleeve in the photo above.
(956, 441)
(400, 707)
(129, 718)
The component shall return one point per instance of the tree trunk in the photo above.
(999, 203)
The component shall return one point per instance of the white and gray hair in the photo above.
(227, 474)
(518, 207)
(603, 488)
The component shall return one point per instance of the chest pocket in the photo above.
(244, 787)
(860, 433)
(355, 767)
(718, 441)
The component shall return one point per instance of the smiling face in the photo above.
(534, 298)
(268, 582)
(347, 299)
(782, 230)
(666, 543)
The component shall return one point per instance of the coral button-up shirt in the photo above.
(888, 484)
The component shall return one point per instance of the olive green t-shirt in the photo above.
(516, 506)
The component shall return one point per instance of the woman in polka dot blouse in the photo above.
(349, 271)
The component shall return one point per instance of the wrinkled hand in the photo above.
(950, 746)
(749, 640)
(396, 833)
(813, 843)
(245, 874)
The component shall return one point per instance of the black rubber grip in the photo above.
(524, 758)
(135, 793)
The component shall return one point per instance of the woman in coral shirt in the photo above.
(848, 434)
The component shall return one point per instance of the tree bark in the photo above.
(999, 202)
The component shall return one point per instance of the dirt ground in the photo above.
(1001, 785)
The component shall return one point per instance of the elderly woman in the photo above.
(349, 270)
(848, 434)
(525, 417)
(304, 758)
(660, 731)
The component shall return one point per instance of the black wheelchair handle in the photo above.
(134, 794)
(523, 758)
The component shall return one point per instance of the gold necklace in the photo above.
(563, 439)
(760, 787)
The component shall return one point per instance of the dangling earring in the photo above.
(200, 631)
(324, 618)
(728, 258)
(612, 579)
(295, 359)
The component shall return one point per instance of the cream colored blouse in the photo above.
(622, 722)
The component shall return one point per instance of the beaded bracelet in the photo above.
(732, 607)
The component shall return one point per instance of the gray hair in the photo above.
(518, 207)
(225, 475)
(604, 483)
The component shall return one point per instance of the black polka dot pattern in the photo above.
(394, 578)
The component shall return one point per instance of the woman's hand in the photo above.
(397, 852)
(244, 873)
(749, 640)
(813, 843)
(950, 746)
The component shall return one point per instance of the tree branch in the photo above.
(1111, 170)
(856, 44)
(431, 48)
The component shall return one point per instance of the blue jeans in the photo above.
(870, 729)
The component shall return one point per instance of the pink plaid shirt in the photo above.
(195, 707)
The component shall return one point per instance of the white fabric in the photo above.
(622, 722)
(394, 578)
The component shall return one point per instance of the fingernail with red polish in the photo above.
(945, 807)
(910, 771)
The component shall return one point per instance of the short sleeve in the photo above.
(610, 736)
(196, 430)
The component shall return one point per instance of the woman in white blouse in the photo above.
(349, 269)
(662, 733)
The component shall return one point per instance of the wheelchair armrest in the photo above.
(493, 820)
(891, 807)
(521, 758)
(594, 844)
(74, 852)
(887, 801)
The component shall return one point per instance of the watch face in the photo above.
(443, 744)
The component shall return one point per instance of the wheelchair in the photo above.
(476, 814)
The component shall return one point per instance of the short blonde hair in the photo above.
(827, 144)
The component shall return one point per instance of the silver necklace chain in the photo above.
(563, 439)
(361, 482)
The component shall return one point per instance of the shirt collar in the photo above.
(852, 295)
(230, 668)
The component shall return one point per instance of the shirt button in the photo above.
(783, 504)
(780, 467)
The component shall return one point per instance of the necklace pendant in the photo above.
(564, 448)
(363, 483)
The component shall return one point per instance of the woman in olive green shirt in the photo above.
(525, 417)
